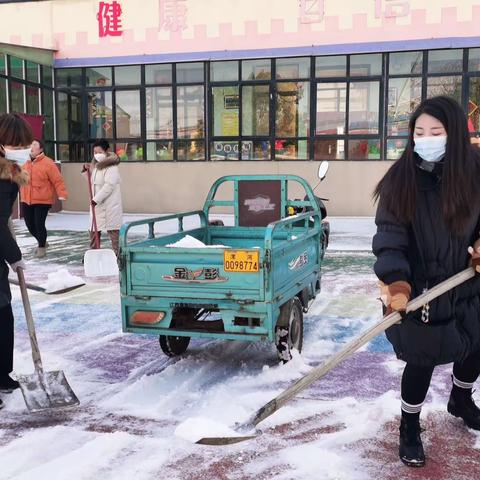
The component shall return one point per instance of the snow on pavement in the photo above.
(140, 410)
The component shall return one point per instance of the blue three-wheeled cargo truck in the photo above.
(249, 281)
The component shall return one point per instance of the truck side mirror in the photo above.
(322, 170)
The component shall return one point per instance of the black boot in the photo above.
(461, 404)
(8, 384)
(1, 404)
(411, 448)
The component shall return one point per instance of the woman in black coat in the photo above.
(15, 140)
(428, 219)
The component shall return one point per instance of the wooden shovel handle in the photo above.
(37, 360)
(318, 372)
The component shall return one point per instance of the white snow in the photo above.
(141, 412)
(61, 279)
(190, 242)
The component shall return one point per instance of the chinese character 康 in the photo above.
(173, 15)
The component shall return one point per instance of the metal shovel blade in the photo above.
(224, 440)
(46, 391)
(101, 262)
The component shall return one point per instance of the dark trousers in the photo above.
(35, 218)
(6, 340)
(416, 379)
(114, 239)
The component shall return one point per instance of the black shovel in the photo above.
(38, 288)
(42, 390)
(246, 429)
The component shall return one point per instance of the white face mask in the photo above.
(18, 156)
(431, 149)
(99, 157)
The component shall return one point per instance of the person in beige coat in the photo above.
(107, 195)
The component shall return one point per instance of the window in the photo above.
(190, 122)
(69, 78)
(292, 68)
(159, 112)
(256, 69)
(331, 108)
(98, 77)
(158, 74)
(226, 107)
(17, 97)
(256, 110)
(331, 66)
(223, 71)
(473, 105)
(33, 100)
(405, 63)
(404, 95)
(450, 86)
(339, 107)
(3, 96)
(100, 114)
(445, 61)
(364, 108)
(366, 65)
(127, 108)
(16, 67)
(32, 71)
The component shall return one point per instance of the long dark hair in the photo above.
(461, 169)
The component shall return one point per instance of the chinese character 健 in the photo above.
(109, 22)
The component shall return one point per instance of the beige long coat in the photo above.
(107, 194)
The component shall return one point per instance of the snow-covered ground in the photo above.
(140, 411)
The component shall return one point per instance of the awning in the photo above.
(44, 56)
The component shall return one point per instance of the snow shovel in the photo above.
(245, 429)
(42, 390)
(98, 262)
(38, 288)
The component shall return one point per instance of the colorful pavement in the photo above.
(342, 427)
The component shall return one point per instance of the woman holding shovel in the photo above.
(106, 197)
(15, 139)
(428, 220)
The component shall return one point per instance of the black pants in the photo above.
(6, 340)
(416, 379)
(35, 218)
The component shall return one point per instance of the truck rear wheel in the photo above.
(173, 346)
(289, 330)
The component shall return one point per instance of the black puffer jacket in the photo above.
(425, 253)
(10, 179)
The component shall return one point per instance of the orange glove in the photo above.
(395, 296)
(475, 253)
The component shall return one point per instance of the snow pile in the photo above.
(195, 428)
(61, 279)
(190, 242)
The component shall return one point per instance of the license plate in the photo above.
(241, 260)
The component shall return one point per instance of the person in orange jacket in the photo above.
(38, 196)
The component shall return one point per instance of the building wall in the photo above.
(176, 187)
(208, 29)
(149, 31)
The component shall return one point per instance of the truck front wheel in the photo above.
(173, 346)
(289, 330)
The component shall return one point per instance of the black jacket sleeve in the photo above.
(390, 245)
(9, 250)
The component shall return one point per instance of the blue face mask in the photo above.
(20, 157)
(431, 149)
